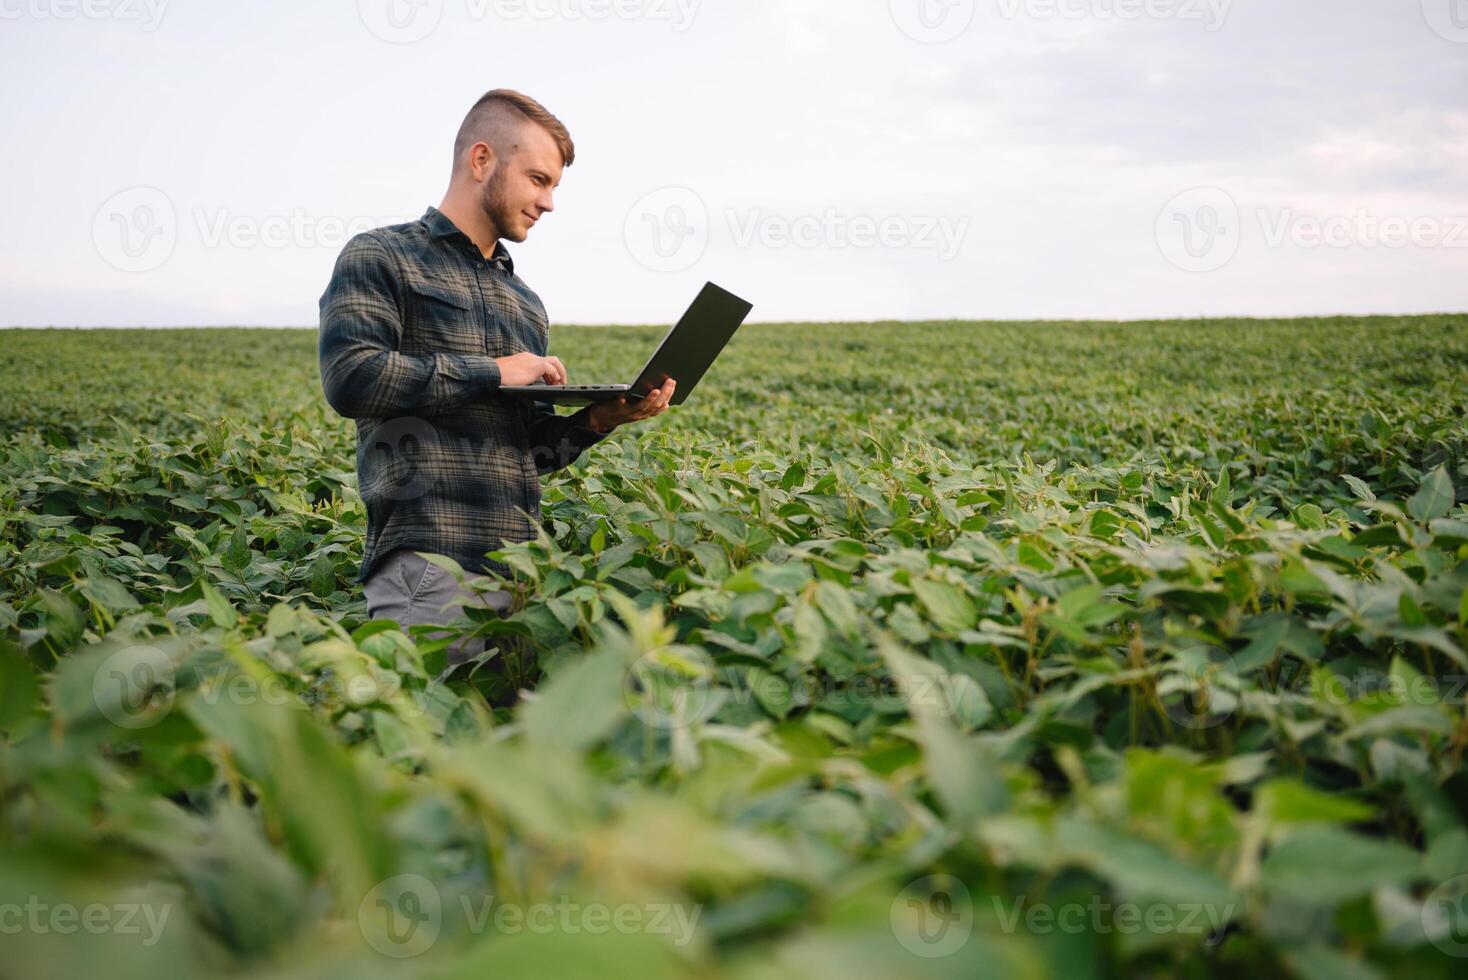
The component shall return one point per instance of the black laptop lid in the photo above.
(695, 340)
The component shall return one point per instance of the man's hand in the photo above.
(606, 416)
(528, 368)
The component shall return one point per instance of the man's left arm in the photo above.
(557, 441)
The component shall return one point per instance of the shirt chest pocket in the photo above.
(441, 318)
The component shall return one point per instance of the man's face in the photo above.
(519, 190)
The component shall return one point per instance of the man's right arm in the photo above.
(363, 373)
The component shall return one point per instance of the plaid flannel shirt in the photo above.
(411, 324)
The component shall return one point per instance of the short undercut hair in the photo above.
(495, 118)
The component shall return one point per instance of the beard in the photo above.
(497, 209)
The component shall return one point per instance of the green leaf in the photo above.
(62, 619)
(965, 778)
(580, 703)
(221, 611)
(788, 577)
(1434, 498)
(771, 691)
(391, 735)
(323, 576)
(446, 563)
(236, 557)
(838, 607)
(810, 632)
(1326, 866)
(1318, 961)
(946, 603)
(109, 593)
(1359, 488)
(970, 704)
(18, 685)
(1288, 801)
(1140, 868)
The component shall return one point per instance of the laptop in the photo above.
(684, 355)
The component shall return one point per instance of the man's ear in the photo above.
(481, 161)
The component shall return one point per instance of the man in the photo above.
(420, 325)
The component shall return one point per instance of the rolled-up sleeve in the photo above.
(363, 372)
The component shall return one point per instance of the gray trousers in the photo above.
(414, 591)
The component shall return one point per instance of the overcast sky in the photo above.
(178, 162)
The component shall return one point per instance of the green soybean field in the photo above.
(951, 649)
